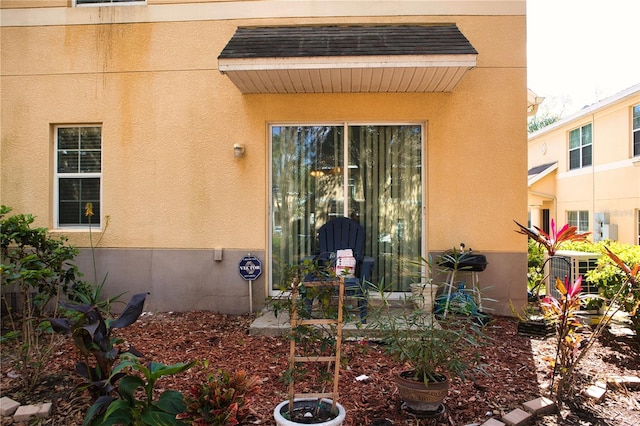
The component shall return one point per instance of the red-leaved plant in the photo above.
(218, 401)
(562, 312)
(552, 242)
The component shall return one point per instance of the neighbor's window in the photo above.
(636, 130)
(78, 169)
(107, 2)
(580, 147)
(579, 219)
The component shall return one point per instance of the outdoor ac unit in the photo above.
(571, 264)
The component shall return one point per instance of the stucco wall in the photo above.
(170, 119)
(612, 184)
(177, 280)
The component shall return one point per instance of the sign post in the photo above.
(250, 268)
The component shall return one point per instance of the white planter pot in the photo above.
(423, 296)
(281, 421)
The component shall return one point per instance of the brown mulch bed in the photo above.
(517, 373)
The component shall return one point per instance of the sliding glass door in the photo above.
(371, 173)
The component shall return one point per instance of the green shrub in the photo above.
(608, 277)
(40, 268)
(135, 403)
(38, 263)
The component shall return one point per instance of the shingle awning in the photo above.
(328, 59)
(536, 173)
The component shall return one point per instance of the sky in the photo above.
(581, 51)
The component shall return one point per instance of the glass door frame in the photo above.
(345, 126)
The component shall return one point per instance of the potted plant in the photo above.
(434, 349)
(315, 339)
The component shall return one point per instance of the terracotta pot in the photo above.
(419, 397)
(299, 403)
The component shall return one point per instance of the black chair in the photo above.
(344, 233)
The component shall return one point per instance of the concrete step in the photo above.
(26, 412)
(540, 406)
(8, 406)
(517, 417)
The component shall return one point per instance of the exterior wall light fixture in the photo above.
(238, 150)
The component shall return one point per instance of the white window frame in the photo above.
(635, 129)
(82, 175)
(581, 219)
(580, 147)
(102, 3)
(346, 125)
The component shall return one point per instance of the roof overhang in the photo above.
(398, 70)
(533, 102)
(538, 172)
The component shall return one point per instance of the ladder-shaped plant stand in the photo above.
(334, 358)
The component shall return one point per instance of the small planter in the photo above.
(423, 296)
(305, 408)
(420, 398)
(539, 328)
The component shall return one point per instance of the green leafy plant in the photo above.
(307, 270)
(92, 294)
(432, 347)
(310, 301)
(40, 268)
(535, 265)
(609, 277)
(135, 404)
(92, 336)
(627, 292)
(220, 399)
(39, 264)
(317, 300)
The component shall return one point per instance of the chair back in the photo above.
(341, 233)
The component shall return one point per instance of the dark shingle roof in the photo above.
(541, 168)
(306, 41)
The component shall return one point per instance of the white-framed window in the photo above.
(636, 130)
(108, 2)
(579, 219)
(580, 147)
(78, 175)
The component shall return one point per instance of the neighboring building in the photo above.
(203, 131)
(585, 170)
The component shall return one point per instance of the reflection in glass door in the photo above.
(378, 182)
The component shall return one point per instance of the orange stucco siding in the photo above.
(169, 121)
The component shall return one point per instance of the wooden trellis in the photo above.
(334, 358)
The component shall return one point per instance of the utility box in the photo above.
(610, 231)
(603, 229)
